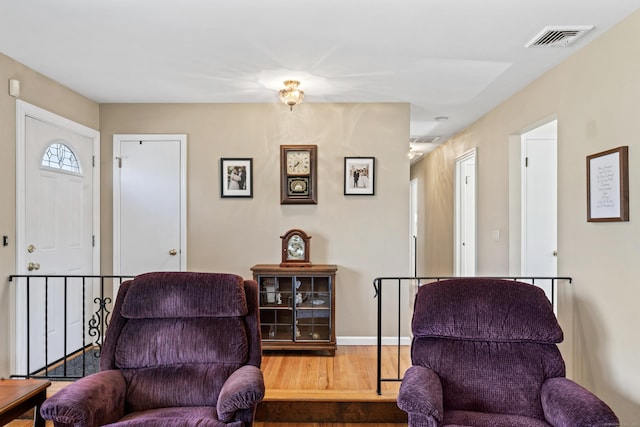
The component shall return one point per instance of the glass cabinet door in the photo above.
(276, 314)
(312, 302)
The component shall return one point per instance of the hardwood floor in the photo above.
(353, 368)
(303, 380)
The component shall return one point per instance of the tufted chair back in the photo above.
(485, 353)
(491, 342)
(178, 347)
(182, 349)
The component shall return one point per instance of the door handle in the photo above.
(173, 252)
(33, 266)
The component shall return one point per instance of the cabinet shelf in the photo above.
(297, 307)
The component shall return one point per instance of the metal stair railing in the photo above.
(94, 327)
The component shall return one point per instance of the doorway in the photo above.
(465, 215)
(57, 233)
(149, 204)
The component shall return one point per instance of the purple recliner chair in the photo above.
(182, 349)
(484, 353)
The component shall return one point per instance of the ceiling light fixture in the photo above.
(291, 95)
(413, 154)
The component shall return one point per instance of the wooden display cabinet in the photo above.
(297, 307)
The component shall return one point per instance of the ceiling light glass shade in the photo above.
(413, 154)
(291, 95)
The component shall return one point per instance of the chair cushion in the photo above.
(493, 377)
(469, 418)
(175, 385)
(185, 294)
(175, 417)
(179, 362)
(503, 310)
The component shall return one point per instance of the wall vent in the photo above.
(423, 139)
(559, 36)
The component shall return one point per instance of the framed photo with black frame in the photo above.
(359, 176)
(608, 185)
(236, 177)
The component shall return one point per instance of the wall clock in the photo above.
(295, 249)
(298, 174)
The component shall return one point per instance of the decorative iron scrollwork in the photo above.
(99, 322)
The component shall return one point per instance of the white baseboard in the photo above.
(372, 340)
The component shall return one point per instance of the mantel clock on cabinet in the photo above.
(298, 174)
(295, 249)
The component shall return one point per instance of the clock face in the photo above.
(295, 247)
(299, 162)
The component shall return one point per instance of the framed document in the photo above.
(608, 185)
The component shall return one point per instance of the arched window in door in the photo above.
(59, 156)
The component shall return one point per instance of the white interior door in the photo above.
(149, 203)
(465, 212)
(539, 198)
(56, 219)
(413, 225)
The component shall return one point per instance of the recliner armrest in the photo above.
(91, 401)
(244, 389)
(568, 404)
(421, 393)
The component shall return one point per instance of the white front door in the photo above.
(149, 203)
(56, 221)
(539, 221)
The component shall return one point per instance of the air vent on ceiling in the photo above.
(558, 36)
(423, 139)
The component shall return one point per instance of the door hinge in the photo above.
(466, 179)
(119, 159)
(526, 162)
(93, 161)
(93, 240)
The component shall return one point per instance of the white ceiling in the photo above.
(446, 58)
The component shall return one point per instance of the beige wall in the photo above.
(365, 236)
(45, 93)
(595, 97)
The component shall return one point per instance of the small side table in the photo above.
(18, 396)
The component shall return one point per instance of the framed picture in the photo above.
(608, 185)
(359, 176)
(236, 177)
